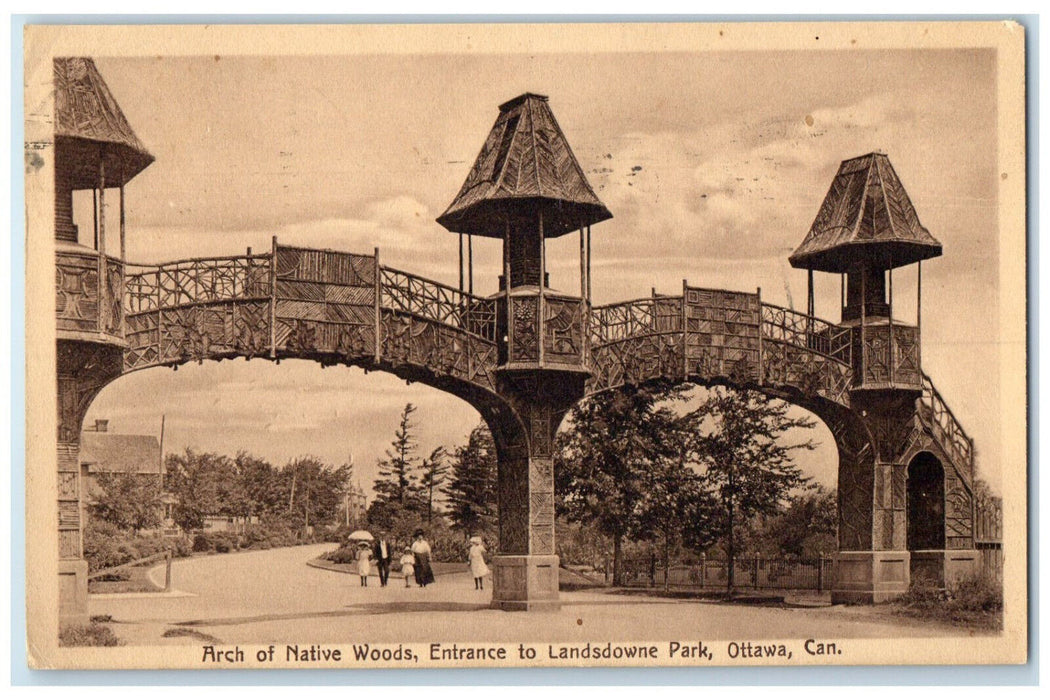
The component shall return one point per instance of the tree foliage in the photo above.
(130, 501)
(434, 474)
(306, 491)
(747, 464)
(399, 495)
(472, 495)
(624, 466)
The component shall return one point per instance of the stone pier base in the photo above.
(869, 577)
(72, 592)
(940, 567)
(525, 582)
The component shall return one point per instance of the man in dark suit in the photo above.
(383, 553)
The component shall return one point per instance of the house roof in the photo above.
(866, 216)
(89, 126)
(130, 454)
(526, 168)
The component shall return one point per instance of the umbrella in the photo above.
(475, 540)
(361, 535)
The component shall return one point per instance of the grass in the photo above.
(194, 634)
(137, 582)
(91, 635)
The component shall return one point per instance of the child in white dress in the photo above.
(408, 565)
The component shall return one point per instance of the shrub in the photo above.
(974, 594)
(923, 594)
(91, 635)
(347, 554)
(106, 546)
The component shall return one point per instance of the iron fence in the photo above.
(749, 572)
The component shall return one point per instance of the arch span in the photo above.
(341, 308)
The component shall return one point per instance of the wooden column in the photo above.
(461, 262)
(273, 297)
(863, 322)
(583, 267)
(540, 325)
(378, 308)
(506, 288)
(589, 298)
(470, 264)
(893, 341)
(103, 287)
(918, 315)
(123, 240)
(123, 246)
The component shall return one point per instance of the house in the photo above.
(103, 452)
(356, 504)
(228, 523)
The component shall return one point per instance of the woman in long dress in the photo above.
(478, 568)
(421, 550)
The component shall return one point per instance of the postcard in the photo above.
(479, 345)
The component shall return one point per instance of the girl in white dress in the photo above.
(408, 565)
(478, 567)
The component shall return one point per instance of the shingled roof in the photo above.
(128, 454)
(525, 167)
(88, 121)
(866, 217)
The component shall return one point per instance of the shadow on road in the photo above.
(354, 609)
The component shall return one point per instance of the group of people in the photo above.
(415, 561)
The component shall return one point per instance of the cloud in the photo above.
(736, 190)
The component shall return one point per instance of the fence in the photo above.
(749, 572)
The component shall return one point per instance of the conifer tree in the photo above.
(398, 493)
(472, 496)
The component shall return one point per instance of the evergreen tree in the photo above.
(434, 473)
(472, 495)
(398, 493)
(747, 465)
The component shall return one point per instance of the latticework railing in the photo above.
(946, 428)
(800, 330)
(988, 518)
(636, 318)
(196, 281)
(433, 301)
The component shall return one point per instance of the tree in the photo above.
(397, 489)
(128, 501)
(472, 495)
(805, 529)
(434, 471)
(606, 461)
(677, 507)
(747, 465)
(319, 491)
(204, 484)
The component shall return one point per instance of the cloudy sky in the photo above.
(713, 165)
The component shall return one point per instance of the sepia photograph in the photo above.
(474, 345)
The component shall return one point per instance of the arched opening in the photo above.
(682, 541)
(925, 503)
(280, 415)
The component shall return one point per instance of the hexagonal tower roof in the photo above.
(866, 217)
(524, 168)
(88, 122)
